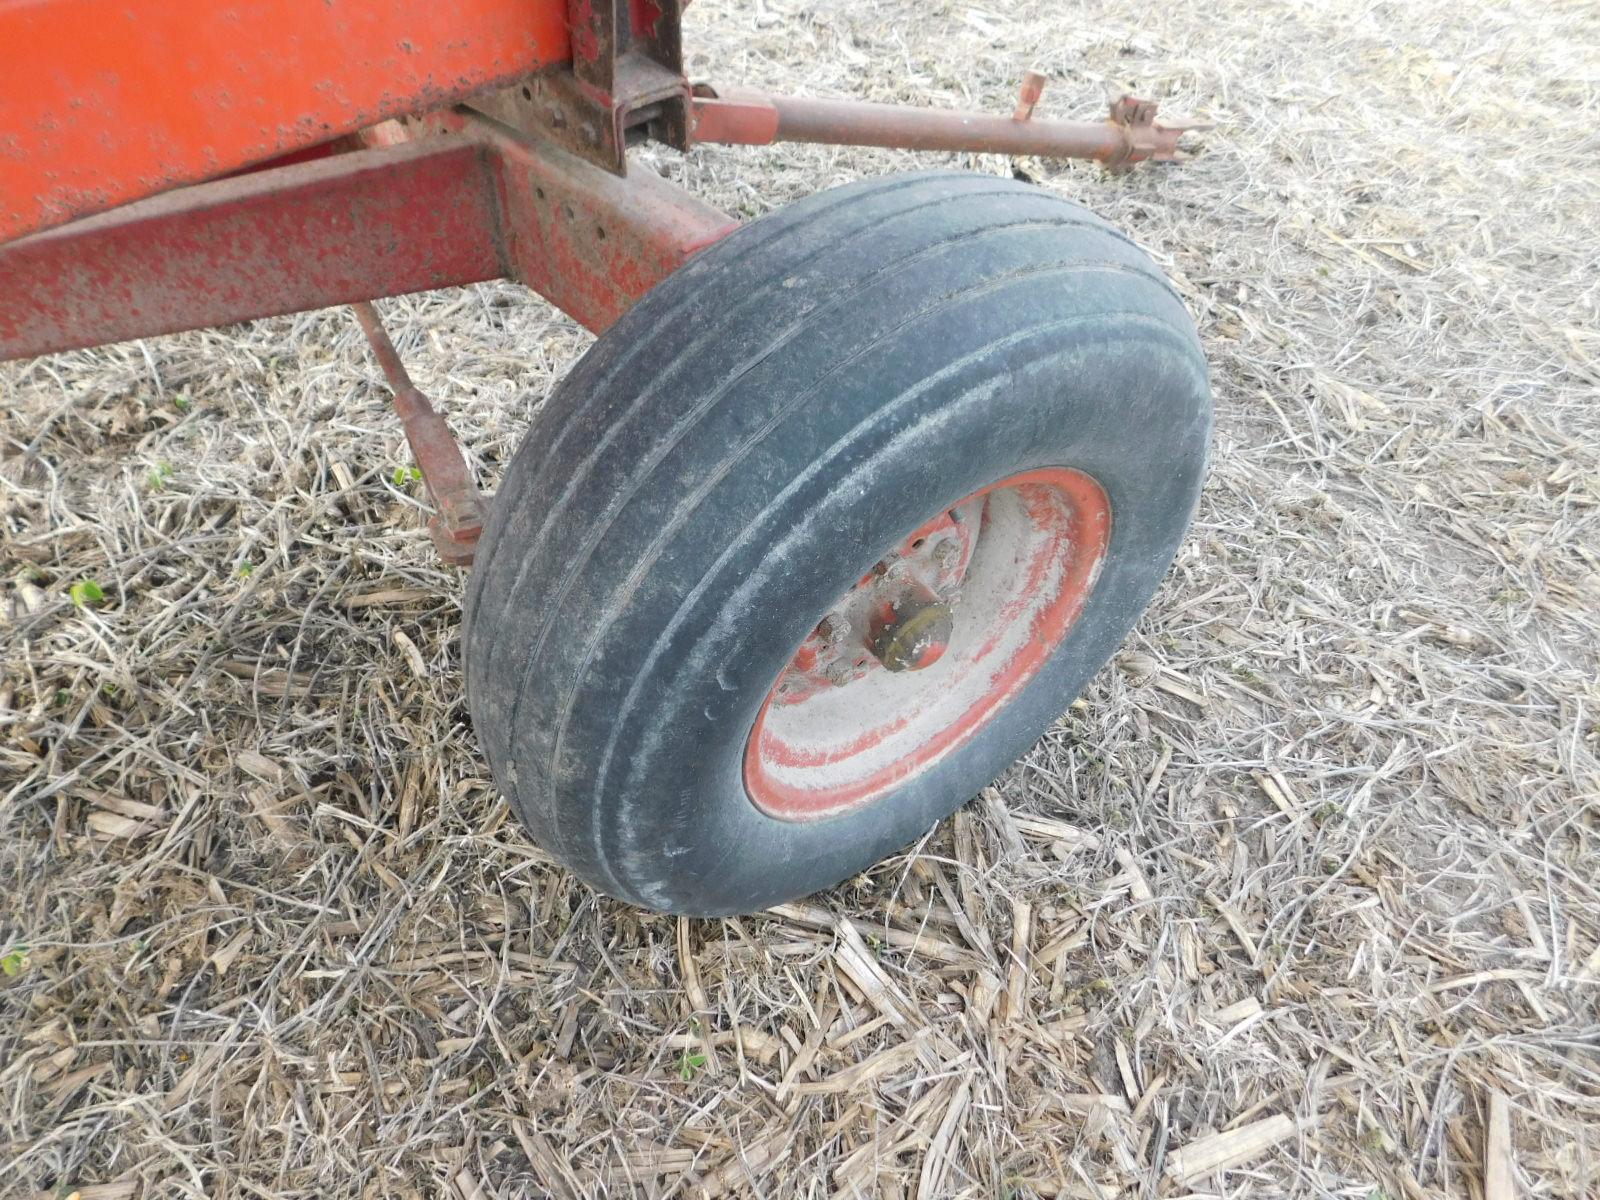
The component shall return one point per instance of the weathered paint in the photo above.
(470, 201)
(742, 116)
(107, 101)
(590, 242)
(351, 227)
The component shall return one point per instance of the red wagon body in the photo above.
(105, 104)
(166, 166)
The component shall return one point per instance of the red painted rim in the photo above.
(1015, 562)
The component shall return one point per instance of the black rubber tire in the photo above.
(737, 450)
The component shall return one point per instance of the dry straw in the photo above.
(1301, 899)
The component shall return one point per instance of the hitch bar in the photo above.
(1130, 134)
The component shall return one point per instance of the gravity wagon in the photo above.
(832, 521)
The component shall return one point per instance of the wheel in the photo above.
(826, 532)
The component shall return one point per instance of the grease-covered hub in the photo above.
(929, 645)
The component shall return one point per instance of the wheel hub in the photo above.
(913, 632)
(929, 644)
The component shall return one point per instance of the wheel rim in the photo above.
(929, 646)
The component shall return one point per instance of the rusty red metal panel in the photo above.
(107, 101)
(351, 227)
(590, 242)
(473, 202)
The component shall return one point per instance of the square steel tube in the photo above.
(477, 202)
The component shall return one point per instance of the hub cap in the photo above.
(929, 645)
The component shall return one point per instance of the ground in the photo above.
(1300, 892)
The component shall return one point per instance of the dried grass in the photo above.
(1302, 891)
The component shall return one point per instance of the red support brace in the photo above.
(448, 209)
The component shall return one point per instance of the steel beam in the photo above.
(590, 242)
(469, 200)
(351, 227)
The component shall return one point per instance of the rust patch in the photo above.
(114, 103)
(297, 237)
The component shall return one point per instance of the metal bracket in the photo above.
(1143, 137)
(458, 524)
(624, 84)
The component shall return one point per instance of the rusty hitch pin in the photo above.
(459, 522)
(1028, 94)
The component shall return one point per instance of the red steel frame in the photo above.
(452, 208)
(108, 104)
(172, 164)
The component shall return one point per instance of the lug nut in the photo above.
(946, 552)
(840, 672)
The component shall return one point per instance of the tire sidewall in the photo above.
(1127, 405)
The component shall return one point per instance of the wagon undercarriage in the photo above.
(845, 510)
(526, 181)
